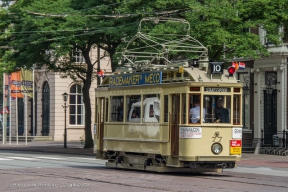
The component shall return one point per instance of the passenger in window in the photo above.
(119, 113)
(151, 113)
(221, 113)
(134, 115)
(195, 112)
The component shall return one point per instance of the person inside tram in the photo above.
(119, 113)
(134, 115)
(195, 112)
(221, 113)
(151, 113)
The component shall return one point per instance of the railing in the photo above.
(274, 139)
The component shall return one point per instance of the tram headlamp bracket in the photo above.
(216, 148)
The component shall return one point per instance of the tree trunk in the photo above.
(87, 103)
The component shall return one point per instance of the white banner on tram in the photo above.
(190, 132)
(237, 133)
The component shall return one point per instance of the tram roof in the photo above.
(163, 75)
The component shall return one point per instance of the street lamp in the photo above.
(245, 104)
(65, 98)
(246, 88)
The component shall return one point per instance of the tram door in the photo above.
(100, 121)
(174, 124)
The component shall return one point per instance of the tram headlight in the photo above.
(216, 148)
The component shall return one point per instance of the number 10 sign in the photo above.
(216, 67)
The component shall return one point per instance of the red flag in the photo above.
(5, 110)
(101, 73)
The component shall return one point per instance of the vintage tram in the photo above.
(169, 116)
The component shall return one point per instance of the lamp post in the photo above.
(65, 98)
(246, 93)
(246, 88)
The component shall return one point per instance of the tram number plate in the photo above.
(235, 147)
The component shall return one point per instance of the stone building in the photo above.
(48, 110)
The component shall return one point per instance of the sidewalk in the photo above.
(76, 148)
(73, 147)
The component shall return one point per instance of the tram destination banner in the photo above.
(135, 79)
(216, 89)
(235, 147)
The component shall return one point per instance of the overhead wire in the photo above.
(85, 32)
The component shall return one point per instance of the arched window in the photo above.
(76, 106)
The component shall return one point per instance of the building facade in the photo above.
(265, 104)
(47, 106)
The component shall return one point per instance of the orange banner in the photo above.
(15, 85)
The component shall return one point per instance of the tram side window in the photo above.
(195, 110)
(151, 108)
(236, 109)
(217, 108)
(184, 110)
(96, 111)
(106, 109)
(165, 108)
(116, 108)
(133, 107)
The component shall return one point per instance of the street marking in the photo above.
(4, 159)
(22, 158)
(52, 158)
(86, 158)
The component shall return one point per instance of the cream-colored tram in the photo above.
(172, 117)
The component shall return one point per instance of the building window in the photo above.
(76, 106)
(285, 33)
(78, 56)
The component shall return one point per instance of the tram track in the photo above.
(159, 182)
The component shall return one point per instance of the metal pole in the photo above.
(65, 129)
(33, 99)
(4, 117)
(98, 65)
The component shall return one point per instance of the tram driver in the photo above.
(221, 113)
(195, 112)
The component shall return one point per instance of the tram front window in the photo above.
(195, 109)
(217, 108)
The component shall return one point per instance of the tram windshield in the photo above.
(218, 108)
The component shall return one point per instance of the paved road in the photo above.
(20, 159)
(38, 171)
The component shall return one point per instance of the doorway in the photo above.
(174, 124)
(45, 109)
(270, 116)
